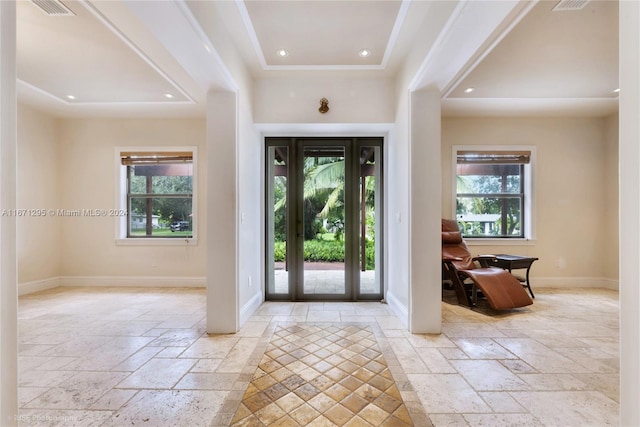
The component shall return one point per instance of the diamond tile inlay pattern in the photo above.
(322, 375)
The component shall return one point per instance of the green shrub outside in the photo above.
(279, 251)
(324, 251)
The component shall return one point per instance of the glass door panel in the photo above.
(323, 221)
(369, 225)
(277, 214)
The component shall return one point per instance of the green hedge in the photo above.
(324, 251)
(279, 251)
(319, 250)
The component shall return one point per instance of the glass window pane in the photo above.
(172, 185)
(488, 179)
(160, 217)
(278, 171)
(164, 179)
(484, 216)
(368, 207)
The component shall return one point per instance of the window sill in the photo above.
(173, 241)
(499, 242)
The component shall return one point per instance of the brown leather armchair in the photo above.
(501, 289)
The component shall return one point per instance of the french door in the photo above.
(323, 219)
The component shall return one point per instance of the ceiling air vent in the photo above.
(565, 5)
(53, 7)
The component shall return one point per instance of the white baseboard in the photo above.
(250, 307)
(400, 310)
(134, 281)
(38, 285)
(611, 284)
(574, 282)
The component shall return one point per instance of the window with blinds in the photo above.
(491, 192)
(159, 193)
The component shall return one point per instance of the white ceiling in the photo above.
(121, 57)
(551, 59)
(322, 34)
(66, 55)
(568, 54)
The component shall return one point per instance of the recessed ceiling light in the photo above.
(469, 90)
(168, 96)
(364, 53)
(71, 97)
(282, 53)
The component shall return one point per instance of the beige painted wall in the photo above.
(576, 189)
(88, 181)
(38, 183)
(573, 188)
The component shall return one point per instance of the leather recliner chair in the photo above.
(501, 289)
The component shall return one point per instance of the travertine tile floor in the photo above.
(124, 356)
(317, 374)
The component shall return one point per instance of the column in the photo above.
(8, 263)
(425, 200)
(629, 158)
(221, 213)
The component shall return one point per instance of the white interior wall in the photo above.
(8, 260)
(428, 19)
(248, 280)
(611, 201)
(352, 99)
(629, 231)
(425, 263)
(222, 260)
(38, 189)
(251, 210)
(397, 216)
(572, 179)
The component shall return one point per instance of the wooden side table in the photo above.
(510, 262)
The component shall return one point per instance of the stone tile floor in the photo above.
(326, 281)
(140, 356)
(325, 374)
